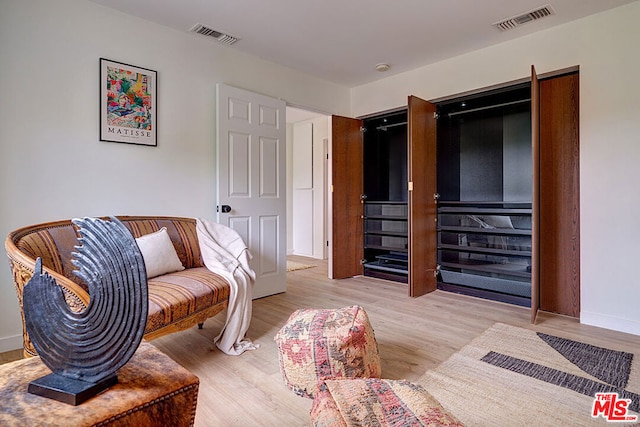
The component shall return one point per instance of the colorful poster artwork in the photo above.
(128, 104)
(128, 99)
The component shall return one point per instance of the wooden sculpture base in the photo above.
(69, 390)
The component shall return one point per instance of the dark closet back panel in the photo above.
(385, 158)
(484, 147)
(481, 158)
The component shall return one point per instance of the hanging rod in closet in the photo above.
(385, 127)
(505, 104)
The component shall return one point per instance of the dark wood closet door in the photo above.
(347, 187)
(535, 212)
(560, 195)
(422, 204)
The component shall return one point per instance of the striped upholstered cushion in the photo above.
(175, 296)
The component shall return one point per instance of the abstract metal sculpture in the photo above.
(85, 349)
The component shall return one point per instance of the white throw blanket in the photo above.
(225, 253)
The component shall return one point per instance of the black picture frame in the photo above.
(128, 103)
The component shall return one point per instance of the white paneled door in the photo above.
(251, 166)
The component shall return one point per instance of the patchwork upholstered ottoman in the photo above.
(319, 344)
(373, 401)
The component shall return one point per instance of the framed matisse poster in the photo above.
(128, 103)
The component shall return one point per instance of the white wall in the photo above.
(289, 188)
(605, 46)
(52, 165)
(308, 188)
(303, 174)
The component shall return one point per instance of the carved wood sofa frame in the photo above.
(177, 301)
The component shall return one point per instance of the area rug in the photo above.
(293, 266)
(511, 376)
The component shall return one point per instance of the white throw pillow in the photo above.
(159, 255)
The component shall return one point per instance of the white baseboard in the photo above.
(609, 322)
(314, 256)
(10, 343)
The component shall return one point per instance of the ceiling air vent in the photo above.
(539, 13)
(210, 32)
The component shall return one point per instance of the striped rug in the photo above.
(511, 376)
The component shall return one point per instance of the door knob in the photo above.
(224, 209)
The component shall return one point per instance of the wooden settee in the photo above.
(177, 300)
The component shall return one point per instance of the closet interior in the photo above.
(385, 196)
(484, 167)
(484, 182)
(475, 194)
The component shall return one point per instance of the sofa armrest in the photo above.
(22, 269)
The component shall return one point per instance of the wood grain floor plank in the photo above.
(413, 334)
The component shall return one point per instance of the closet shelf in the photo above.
(487, 251)
(491, 231)
(499, 269)
(485, 211)
(387, 233)
(386, 248)
(386, 217)
(391, 257)
(485, 246)
(389, 268)
(385, 202)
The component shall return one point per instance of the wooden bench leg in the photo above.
(200, 325)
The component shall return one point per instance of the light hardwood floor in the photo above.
(10, 356)
(413, 334)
